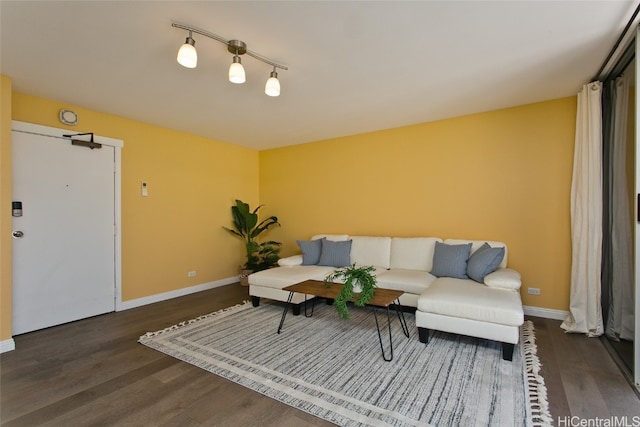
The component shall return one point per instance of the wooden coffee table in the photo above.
(382, 298)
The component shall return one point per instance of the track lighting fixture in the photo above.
(188, 57)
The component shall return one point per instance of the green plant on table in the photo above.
(259, 256)
(349, 277)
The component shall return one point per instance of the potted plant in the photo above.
(356, 280)
(259, 256)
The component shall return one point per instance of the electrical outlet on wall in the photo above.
(533, 291)
(191, 274)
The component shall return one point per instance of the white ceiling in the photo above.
(354, 66)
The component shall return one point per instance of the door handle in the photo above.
(17, 234)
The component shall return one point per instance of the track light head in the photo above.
(236, 71)
(272, 88)
(187, 55)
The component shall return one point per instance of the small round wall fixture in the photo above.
(68, 117)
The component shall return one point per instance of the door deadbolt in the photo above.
(17, 234)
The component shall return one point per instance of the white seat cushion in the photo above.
(410, 281)
(376, 272)
(470, 300)
(413, 253)
(281, 277)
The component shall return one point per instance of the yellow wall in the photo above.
(503, 175)
(5, 211)
(192, 183)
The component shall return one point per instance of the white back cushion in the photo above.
(413, 253)
(374, 251)
(475, 245)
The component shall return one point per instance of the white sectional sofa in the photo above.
(444, 296)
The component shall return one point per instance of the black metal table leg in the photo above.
(403, 321)
(313, 306)
(284, 313)
(375, 315)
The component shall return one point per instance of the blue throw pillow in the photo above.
(311, 250)
(451, 260)
(484, 261)
(335, 254)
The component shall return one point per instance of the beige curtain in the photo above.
(585, 315)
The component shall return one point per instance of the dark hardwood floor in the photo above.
(93, 372)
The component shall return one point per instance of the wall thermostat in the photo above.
(68, 117)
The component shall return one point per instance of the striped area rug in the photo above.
(333, 368)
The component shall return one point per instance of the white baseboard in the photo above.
(139, 302)
(546, 313)
(7, 345)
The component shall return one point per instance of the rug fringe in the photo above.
(244, 304)
(536, 389)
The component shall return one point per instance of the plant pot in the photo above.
(357, 287)
(244, 277)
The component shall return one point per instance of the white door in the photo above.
(64, 261)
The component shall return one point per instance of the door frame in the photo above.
(636, 342)
(117, 144)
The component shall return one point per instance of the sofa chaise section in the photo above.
(490, 310)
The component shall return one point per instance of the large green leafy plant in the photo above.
(351, 276)
(260, 255)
